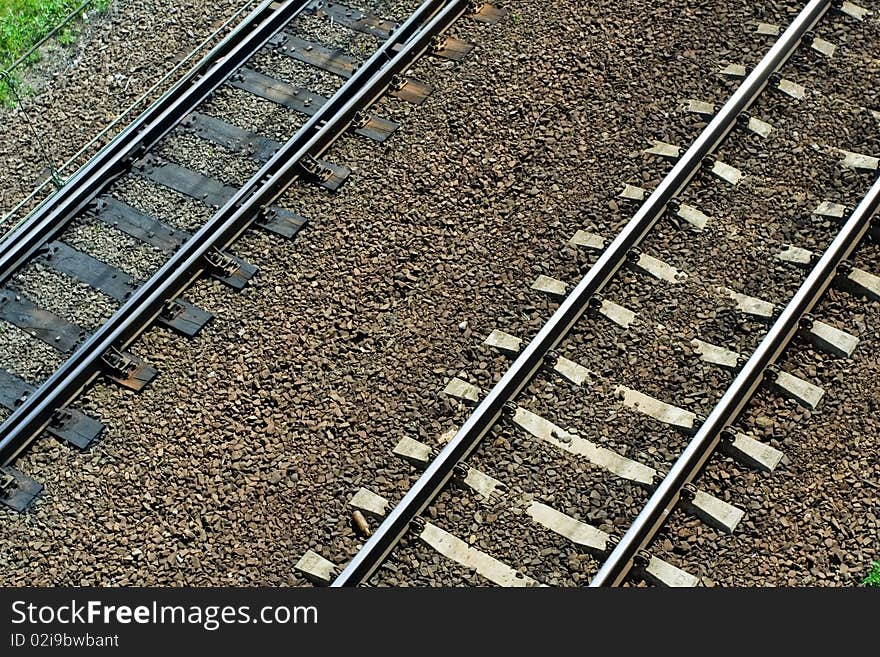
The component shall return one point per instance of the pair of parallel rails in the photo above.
(158, 299)
(625, 553)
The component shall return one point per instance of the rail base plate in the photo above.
(20, 490)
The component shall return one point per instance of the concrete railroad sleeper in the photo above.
(531, 359)
(43, 407)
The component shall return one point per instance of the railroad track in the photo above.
(773, 327)
(97, 306)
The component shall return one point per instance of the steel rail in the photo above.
(409, 41)
(518, 375)
(114, 159)
(700, 448)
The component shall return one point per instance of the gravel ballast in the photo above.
(120, 55)
(245, 451)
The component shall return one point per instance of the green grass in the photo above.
(24, 22)
(873, 578)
